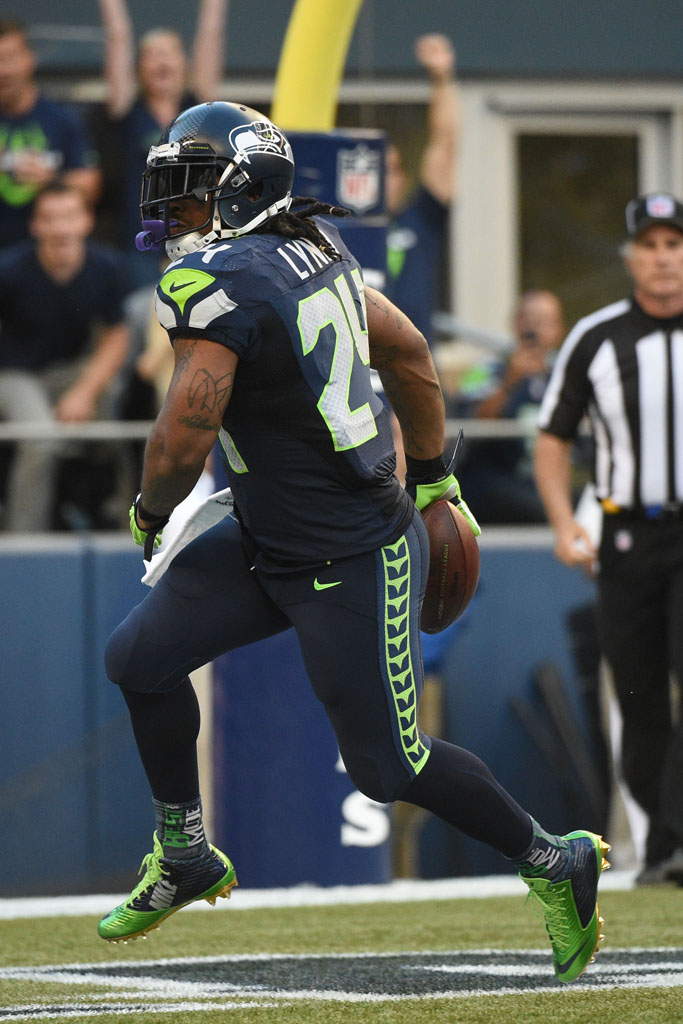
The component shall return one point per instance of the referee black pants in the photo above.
(641, 626)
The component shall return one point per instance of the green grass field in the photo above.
(637, 978)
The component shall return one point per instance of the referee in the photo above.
(623, 367)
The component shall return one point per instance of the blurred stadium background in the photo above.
(567, 113)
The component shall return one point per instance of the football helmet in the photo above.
(225, 155)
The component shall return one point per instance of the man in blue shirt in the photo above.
(39, 139)
(55, 294)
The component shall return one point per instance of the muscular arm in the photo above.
(209, 48)
(573, 545)
(188, 423)
(401, 356)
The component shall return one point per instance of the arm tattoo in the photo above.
(197, 422)
(409, 428)
(383, 358)
(208, 392)
(183, 358)
(383, 308)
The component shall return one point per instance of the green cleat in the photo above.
(569, 905)
(168, 885)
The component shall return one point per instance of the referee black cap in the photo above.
(657, 208)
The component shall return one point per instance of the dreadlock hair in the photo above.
(299, 224)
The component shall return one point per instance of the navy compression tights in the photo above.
(210, 601)
(454, 784)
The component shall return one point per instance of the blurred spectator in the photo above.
(418, 229)
(145, 94)
(156, 361)
(497, 475)
(39, 139)
(54, 292)
(144, 378)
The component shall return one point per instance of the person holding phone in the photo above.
(499, 472)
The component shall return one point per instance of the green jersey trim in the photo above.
(398, 659)
(181, 284)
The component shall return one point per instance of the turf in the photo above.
(443, 924)
(642, 918)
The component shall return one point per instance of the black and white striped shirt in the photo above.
(624, 369)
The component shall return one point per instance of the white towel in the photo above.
(205, 515)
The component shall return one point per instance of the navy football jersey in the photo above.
(308, 444)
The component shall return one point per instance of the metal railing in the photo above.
(100, 430)
(138, 430)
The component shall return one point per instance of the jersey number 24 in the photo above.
(335, 308)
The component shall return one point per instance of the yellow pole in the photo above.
(312, 63)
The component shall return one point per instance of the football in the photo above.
(453, 566)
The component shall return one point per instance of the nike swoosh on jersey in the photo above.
(325, 586)
(178, 287)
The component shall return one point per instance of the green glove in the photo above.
(448, 488)
(147, 539)
(430, 479)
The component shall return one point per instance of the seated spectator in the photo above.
(497, 475)
(39, 139)
(145, 95)
(56, 291)
(155, 364)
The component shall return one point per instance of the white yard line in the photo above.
(403, 890)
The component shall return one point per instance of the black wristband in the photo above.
(149, 517)
(425, 471)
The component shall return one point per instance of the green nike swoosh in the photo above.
(325, 586)
(178, 287)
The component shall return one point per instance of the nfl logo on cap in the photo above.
(660, 206)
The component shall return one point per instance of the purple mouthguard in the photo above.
(151, 239)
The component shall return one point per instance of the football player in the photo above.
(274, 334)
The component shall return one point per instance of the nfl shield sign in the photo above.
(358, 178)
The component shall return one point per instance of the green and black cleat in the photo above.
(167, 886)
(570, 906)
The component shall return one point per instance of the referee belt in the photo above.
(669, 511)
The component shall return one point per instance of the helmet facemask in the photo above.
(249, 182)
(175, 176)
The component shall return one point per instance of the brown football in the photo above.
(453, 566)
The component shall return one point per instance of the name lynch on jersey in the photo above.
(305, 252)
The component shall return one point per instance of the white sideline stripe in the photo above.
(79, 971)
(401, 891)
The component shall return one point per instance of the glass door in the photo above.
(545, 174)
(571, 194)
